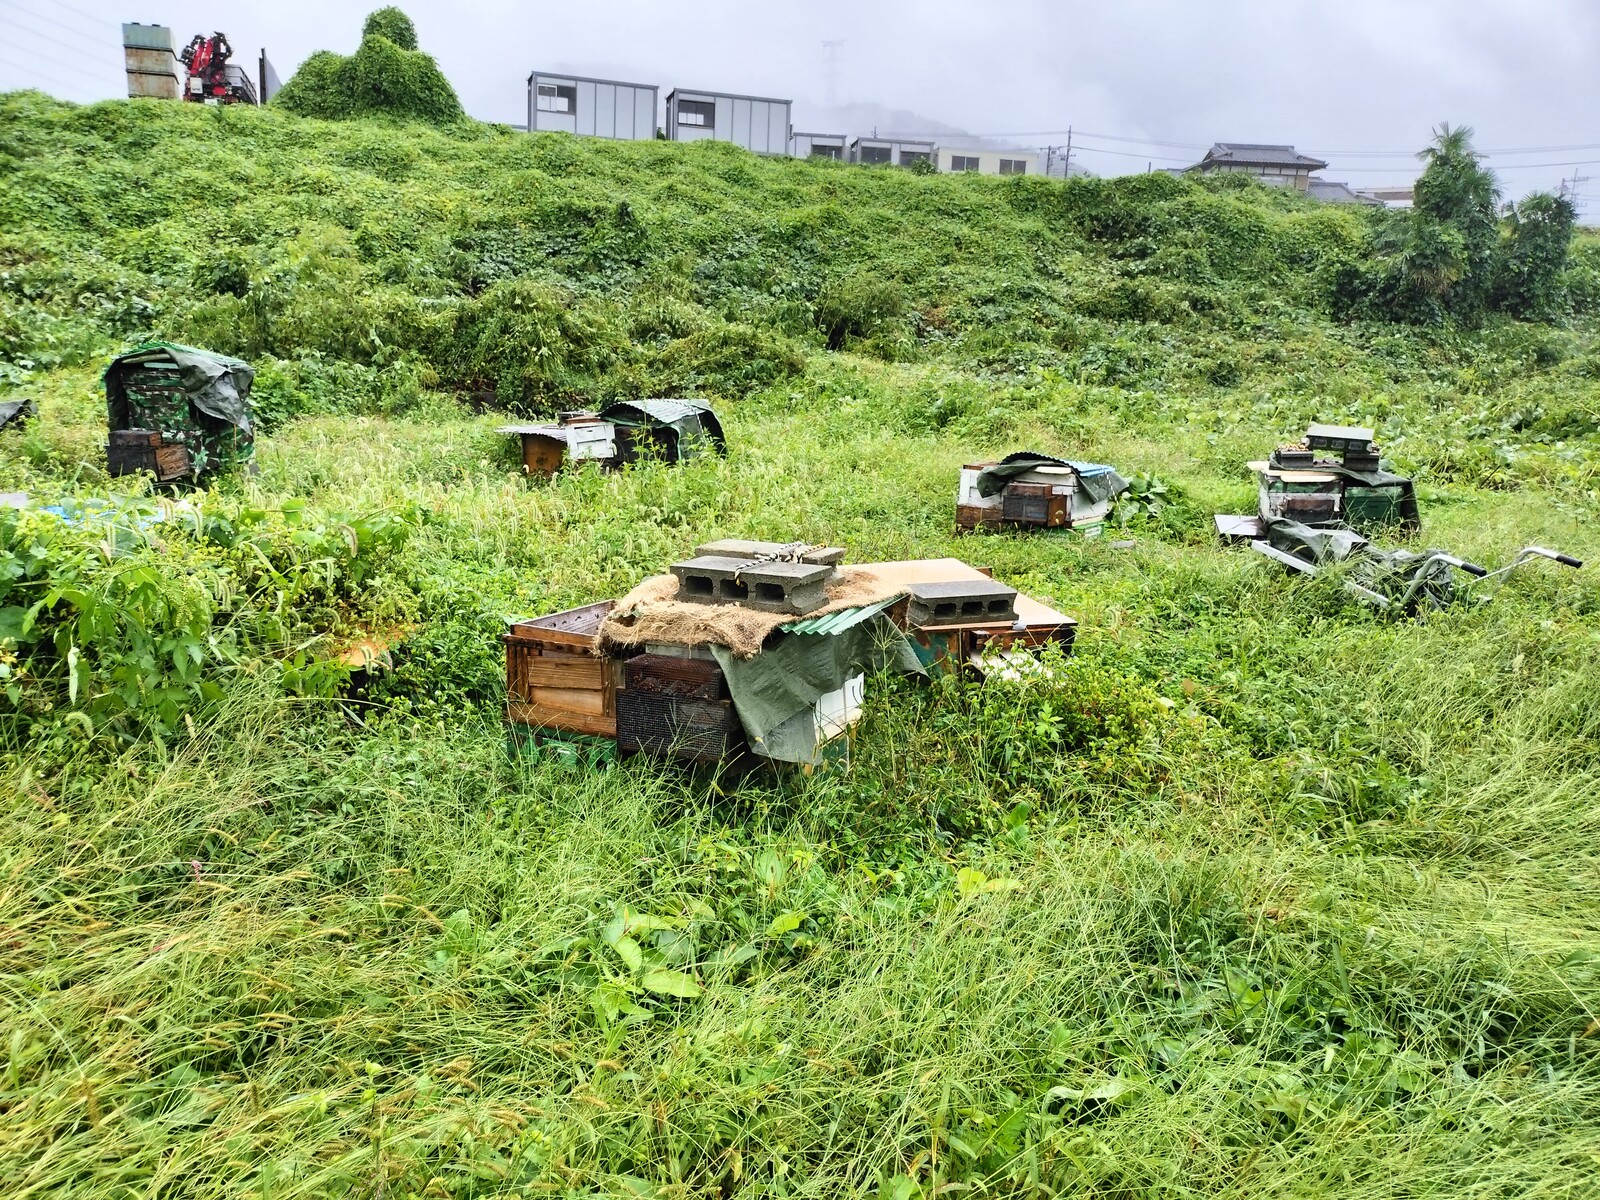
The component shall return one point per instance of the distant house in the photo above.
(987, 162)
(819, 145)
(1276, 166)
(1330, 192)
(758, 123)
(1389, 197)
(592, 107)
(890, 151)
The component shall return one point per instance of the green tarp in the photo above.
(215, 384)
(789, 676)
(191, 396)
(1099, 482)
(695, 428)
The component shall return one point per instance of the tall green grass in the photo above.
(1259, 895)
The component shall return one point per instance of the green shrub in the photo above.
(384, 77)
(393, 24)
(857, 306)
(118, 618)
(729, 359)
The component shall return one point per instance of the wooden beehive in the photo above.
(677, 707)
(129, 451)
(555, 676)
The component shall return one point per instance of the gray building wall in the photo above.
(901, 151)
(825, 145)
(605, 108)
(757, 123)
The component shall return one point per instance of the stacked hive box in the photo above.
(166, 435)
(676, 704)
(555, 676)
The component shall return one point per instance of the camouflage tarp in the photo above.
(187, 395)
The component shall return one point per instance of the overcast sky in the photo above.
(1357, 82)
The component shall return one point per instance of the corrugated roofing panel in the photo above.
(837, 622)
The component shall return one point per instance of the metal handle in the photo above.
(1566, 560)
(1473, 569)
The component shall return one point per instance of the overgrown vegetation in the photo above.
(387, 76)
(1253, 895)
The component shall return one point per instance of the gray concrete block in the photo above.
(962, 602)
(778, 587)
(827, 556)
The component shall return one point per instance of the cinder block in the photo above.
(962, 602)
(778, 587)
(826, 556)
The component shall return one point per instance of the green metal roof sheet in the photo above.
(837, 622)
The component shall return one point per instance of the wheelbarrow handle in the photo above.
(1473, 568)
(1566, 560)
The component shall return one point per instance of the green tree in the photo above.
(1529, 281)
(387, 75)
(393, 24)
(1457, 194)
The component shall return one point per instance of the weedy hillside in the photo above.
(1257, 894)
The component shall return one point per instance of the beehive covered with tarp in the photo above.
(1033, 490)
(177, 412)
(673, 430)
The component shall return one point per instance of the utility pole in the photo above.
(1066, 169)
(830, 67)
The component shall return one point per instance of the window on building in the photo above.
(557, 98)
(908, 157)
(826, 151)
(963, 162)
(875, 154)
(1013, 166)
(702, 114)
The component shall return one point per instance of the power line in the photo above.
(1507, 167)
(87, 16)
(100, 30)
(48, 38)
(74, 67)
(1130, 154)
(56, 79)
(1138, 141)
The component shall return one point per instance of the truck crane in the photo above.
(212, 78)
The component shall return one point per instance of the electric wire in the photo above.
(86, 16)
(74, 67)
(48, 38)
(55, 79)
(1090, 135)
(98, 24)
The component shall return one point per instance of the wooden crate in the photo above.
(129, 451)
(556, 677)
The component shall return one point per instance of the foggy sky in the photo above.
(1357, 82)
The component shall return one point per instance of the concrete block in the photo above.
(826, 556)
(962, 602)
(790, 588)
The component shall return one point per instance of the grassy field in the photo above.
(1260, 896)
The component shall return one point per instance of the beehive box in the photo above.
(555, 677)
(677, 706)
(130, 451)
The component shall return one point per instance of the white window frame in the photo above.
(549, 99)
(697, 118)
